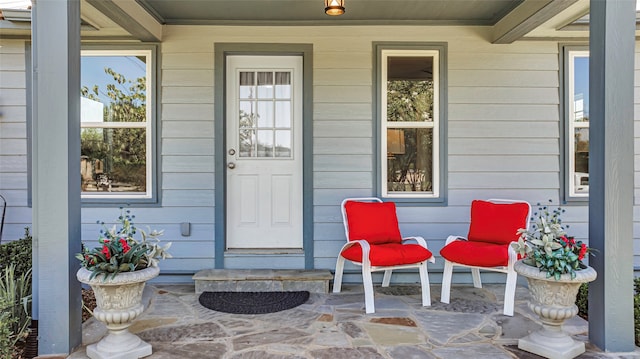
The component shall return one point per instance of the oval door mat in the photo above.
(252, 302)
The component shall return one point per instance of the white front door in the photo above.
(264, 152)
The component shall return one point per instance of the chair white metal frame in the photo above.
(367, 268)
(512, 275)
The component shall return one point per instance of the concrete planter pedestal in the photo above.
(554, 302)
(118, 303)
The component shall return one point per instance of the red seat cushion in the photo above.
(479, 254)
(374, 222)
(389, 254)
(497, 222)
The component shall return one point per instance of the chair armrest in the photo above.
(422, 243)
(454, 238)
(366, 248)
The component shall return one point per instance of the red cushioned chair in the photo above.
(494, 225)
(374, 242)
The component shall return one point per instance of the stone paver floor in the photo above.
(335, 326)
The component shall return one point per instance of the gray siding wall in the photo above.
(13, 138)
(503, 137)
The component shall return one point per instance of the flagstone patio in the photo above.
(335, 326)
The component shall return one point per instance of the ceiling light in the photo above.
(334, 7)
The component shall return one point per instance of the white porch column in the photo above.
(56, 173)
(611, 74)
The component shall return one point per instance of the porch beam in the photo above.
(57, 298)
(611, 171)
(132, 17)
(526, 17)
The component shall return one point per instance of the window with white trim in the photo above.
(410, 119)
(117, 124)
(577, 126)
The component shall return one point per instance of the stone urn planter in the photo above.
(118, 303)
(554, 302)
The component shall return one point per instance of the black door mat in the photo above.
(252, 302)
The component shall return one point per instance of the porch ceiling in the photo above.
(374, 12)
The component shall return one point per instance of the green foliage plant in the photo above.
(17, 252)
(15, 304)
(119, 251)
(636, 309)
(7, 341)
(547, 246)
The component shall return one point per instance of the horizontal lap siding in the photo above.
(187, 153)
(503, 132)
(13, 138)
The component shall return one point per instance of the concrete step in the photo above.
(262, 280)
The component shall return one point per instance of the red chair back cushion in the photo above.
(374, 222)
(497, 223)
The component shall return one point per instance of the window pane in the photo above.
(247, 83)
(113, 88)
(410, 89)
(283, 143)
(409, 160)
(265, 143)
(247, 115)
(581, 89)
(581, 160)
(113, 159)
(283, 85)
(265, 113)
(265, 84)
(283, 114)
(247, 142)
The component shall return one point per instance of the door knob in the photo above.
(231, 165)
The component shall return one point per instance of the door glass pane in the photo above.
(409, 160)
(410, 89)
(265, 84)
(265, 143)
(247, 83)
(283, 85)
(247, 115)
(283, 114)
(247, 140)
(283, 143)
(581, 160)
(265, 113)
(113, 159)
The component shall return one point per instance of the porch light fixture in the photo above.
(334, 7)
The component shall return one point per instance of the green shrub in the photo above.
(636, 309)
(7, 341)
(15, 302)
(17, 252)
(582, 300)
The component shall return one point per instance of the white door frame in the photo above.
(221, 51)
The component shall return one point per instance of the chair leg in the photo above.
(368, 291)
(424, 281)
(337, 280)
(475, 273)
(510, 293)
(446, 282)
(387, 278)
